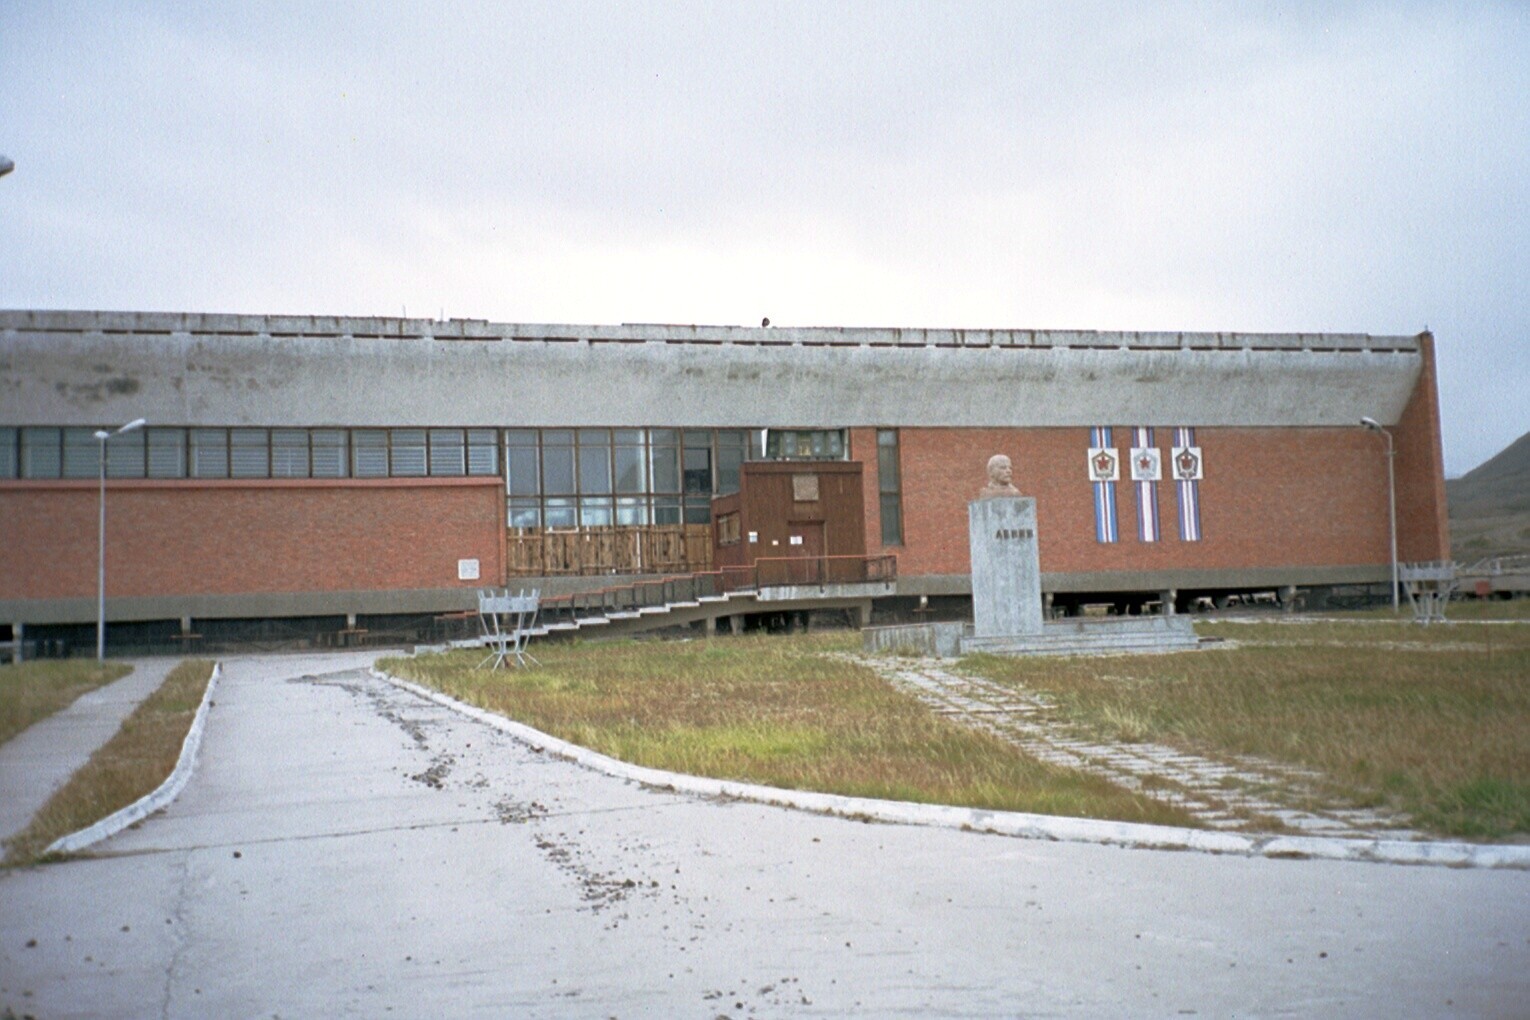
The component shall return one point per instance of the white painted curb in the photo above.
(1003, 823)
(151, 802)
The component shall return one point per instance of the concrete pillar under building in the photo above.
(1167, 597)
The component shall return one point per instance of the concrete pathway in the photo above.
(347, 848)
(41, 758)
(1236, 792)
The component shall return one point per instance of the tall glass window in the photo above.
(631, 461)
(666, 462)
(558, 462)
(730, 460)
(594, 462)
(890, 486)
(522, 463)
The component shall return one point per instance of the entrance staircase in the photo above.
(784, 584)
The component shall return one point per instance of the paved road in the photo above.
(348, 849)
(42, 757)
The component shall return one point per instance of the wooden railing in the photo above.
(693, 587)
(646, 549)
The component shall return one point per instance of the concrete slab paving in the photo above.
(347, 848)
(42, 757)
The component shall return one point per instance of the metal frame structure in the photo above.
(507, 621)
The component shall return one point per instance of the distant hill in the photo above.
(1490, 506)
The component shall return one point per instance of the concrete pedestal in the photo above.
(1006, 566)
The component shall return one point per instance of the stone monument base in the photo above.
(1121, 635)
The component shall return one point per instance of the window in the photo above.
(369, 453)
(805, 444)
(558, 462)
(665, 444)
(330, 449)
(407, 457)
(730, 460)
(209, 453)
(696, 464)
(525, 513)
(166, 453)
(631, 461)
(41, 453)
(482, 452)
(631, 511)
(524, 477)
(249, 453)
(82, 453)
(448, 452)
(890, 486)
(728, 530)
(9, 462)
(595, 463)
(289, 453)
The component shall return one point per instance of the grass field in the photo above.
(130, 765)
(779, 711)
(30, 691)
(1432, 720)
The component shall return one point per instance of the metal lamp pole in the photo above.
(1375, 426)
(102, 436)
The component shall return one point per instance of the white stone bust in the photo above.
(1001, 478)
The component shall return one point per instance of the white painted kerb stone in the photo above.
(160, 797)
(1002, 823)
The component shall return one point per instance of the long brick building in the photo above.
(309, 467)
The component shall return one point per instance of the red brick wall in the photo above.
(1271, 497)
(1423, 526)
(230, 537)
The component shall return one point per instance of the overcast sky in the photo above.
(1301, 167)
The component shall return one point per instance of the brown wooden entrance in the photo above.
(812, 510)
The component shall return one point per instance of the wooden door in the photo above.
(805, 542)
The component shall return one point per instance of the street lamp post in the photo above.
(102, 436)
(1373, 425)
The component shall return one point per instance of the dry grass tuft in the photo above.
(30, 691)
(779, 711)
(130, 765)
(1432, 720)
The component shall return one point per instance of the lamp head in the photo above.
(1371, 423)
(136, 423)
(103, 434)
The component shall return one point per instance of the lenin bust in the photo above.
(1000, 478)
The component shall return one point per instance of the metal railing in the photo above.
(1497, 566)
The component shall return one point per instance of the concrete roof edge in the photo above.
(321, 326)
